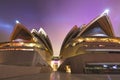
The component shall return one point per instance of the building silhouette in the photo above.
(92, 48)
(27, 52)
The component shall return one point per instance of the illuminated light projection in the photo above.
(6, 27)
(17, 22)
(105, 12)
(94, 49)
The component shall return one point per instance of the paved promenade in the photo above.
(65, 76)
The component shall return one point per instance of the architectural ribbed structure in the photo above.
(25, 50)
(93, 48)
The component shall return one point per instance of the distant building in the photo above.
(93, 48)
(55, 62)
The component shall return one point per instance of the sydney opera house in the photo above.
(91, 48)
(27, 52)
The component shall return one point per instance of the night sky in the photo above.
(56, 17)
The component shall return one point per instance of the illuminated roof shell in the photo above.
(71, 35)
(44, 39)
(70, 49)
(104, 23)
(20, 32)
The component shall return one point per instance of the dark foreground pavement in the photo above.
(65, 76)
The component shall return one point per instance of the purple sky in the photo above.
(57, 17)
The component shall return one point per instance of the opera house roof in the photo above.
(22, 34)
(25, 52)
(98, 30)
(91, 48)
(43, 37)
(99, 25)
(23, 39)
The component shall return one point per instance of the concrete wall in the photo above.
(20, 63)
(7, 71)
(16, 57)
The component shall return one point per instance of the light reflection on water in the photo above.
(61, 76)
(54, 76)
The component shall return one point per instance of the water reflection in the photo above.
(62, 76)
(55, 76)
